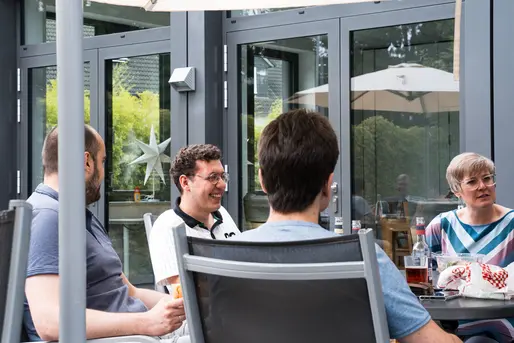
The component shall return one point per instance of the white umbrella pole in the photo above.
(72, 207)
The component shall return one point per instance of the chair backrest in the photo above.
(15, 226)
(149, 219)
(303, 291)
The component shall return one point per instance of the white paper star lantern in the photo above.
(153, 155)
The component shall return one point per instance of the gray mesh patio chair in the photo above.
(14, 250)
(324, 290)
(15, 225)
(149, 219)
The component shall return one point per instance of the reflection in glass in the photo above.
(275, 77)
(242, 13)
(405, 128)
(137, 102)
(43, 112)
(99, 19)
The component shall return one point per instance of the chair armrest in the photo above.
(120, 339)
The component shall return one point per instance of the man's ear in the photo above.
(261, 182)
(87, 161)
(184, 183)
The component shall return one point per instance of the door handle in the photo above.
(334, 187)
(335, 203)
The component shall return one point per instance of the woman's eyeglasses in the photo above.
(474, 183)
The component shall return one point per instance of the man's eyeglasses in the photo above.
(474, 183)
(214, 178)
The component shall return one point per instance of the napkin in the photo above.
(479, 280)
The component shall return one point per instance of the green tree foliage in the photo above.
(51, 105)
(275, 110)
(133, 114)
(133, 117)
(382, 150)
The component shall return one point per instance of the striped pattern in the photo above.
(448, 234)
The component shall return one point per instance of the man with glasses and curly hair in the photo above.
(199, 176)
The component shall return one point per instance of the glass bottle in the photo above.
(420, 248)
(356, 226)
(338, 227)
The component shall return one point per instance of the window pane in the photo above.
(43, 112)
(405, 128)
(275, 77)
(137, 102)
(242, 13)
(99, 19)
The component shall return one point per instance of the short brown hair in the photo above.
(50, 153)
(185, 160)
(297, 153)
(467, 164)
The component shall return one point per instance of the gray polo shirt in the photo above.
(105, 290)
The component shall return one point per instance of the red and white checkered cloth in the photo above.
(478, 280)
(498, 278)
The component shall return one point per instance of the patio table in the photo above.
(469, 309)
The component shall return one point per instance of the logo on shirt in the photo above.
(227, 235)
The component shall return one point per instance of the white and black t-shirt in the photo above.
(161, 241)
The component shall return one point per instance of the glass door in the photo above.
(39, 110)
(270, 73)
(401, 120)
(134, 99)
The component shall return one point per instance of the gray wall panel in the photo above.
(503, 82)
(205, 53)
(8, 101)
(477, 69)
(178, 100)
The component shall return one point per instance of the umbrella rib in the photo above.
(411, 96)
(360, 96)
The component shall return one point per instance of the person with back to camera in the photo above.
(298, 152)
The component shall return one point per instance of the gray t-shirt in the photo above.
(105, 290)
(405, 314)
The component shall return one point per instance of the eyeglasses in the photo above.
(474, 183)
(214, 178)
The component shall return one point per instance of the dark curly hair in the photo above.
(185, 160)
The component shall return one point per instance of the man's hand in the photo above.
(166, 316)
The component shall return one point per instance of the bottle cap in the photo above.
(420, 232)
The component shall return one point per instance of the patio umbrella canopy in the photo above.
(400, 88)
(221, 5)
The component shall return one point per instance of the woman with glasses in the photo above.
(480, 227)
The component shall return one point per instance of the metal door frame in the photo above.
(96, 58)
(104, 54)
(24, 134)
(232, 129)
(364, 22)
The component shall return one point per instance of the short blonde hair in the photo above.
(467, 164)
